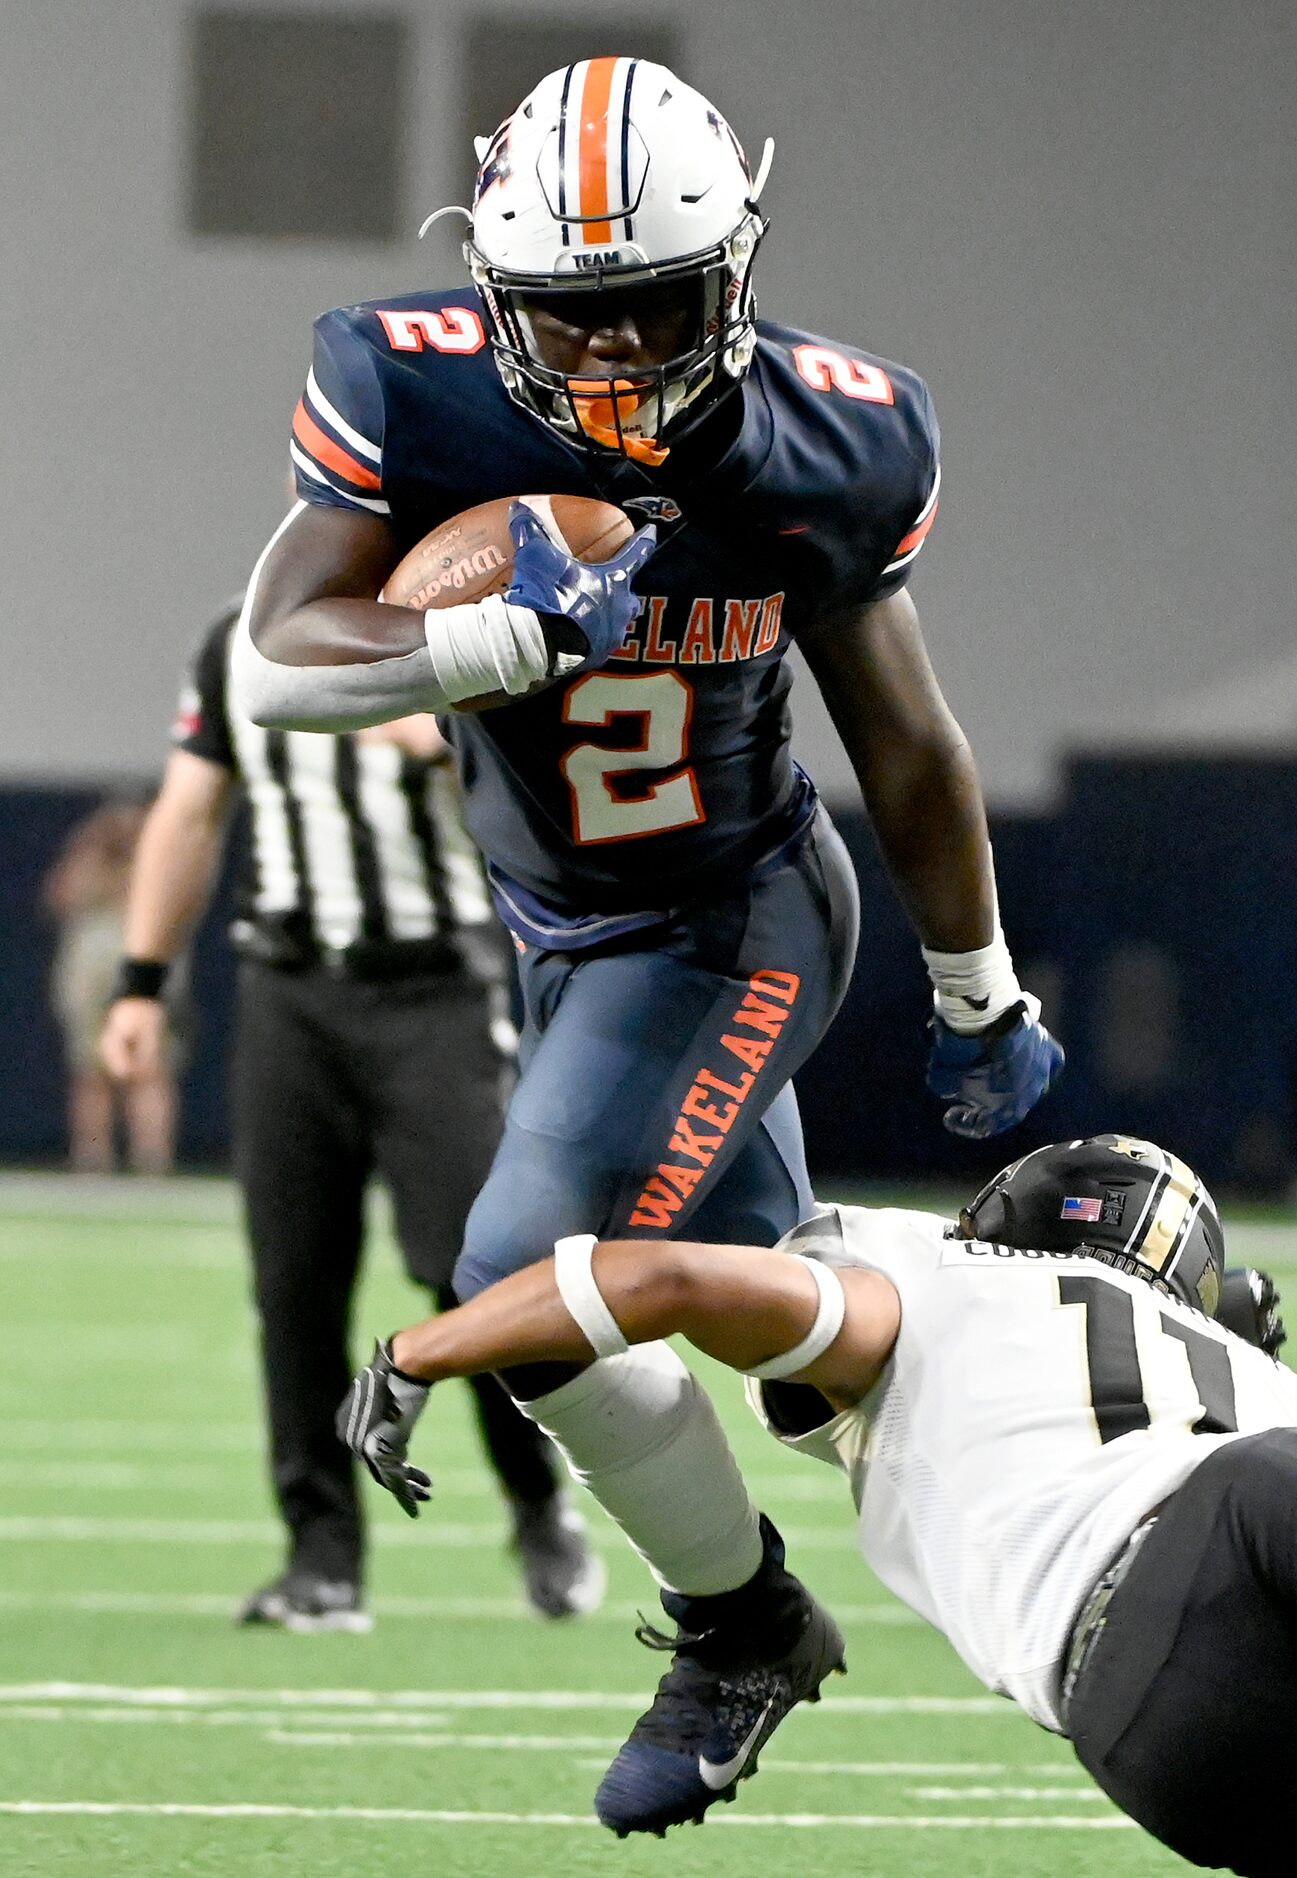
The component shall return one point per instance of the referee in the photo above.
(369, 1040)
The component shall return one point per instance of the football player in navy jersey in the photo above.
(684, 911)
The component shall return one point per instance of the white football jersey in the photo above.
(1035, 1408)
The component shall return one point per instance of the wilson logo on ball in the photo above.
(455, 575)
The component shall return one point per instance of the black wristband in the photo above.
(565, 643)
(139, 978)
(384, 1351)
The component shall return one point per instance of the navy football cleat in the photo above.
(727, 1691)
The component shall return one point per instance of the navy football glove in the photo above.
(996, 1076)
(589, 603)
(376, 1420)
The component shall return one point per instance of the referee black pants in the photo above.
(1186, 1710)
(336, 1080)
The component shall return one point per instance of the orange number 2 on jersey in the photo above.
(827, 370)
(600, 811)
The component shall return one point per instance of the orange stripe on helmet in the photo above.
(916, 535)
(593, 148)
(321, 445)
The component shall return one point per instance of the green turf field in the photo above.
(141, 1734)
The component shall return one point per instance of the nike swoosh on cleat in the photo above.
(978, 1004)
(719, 1774)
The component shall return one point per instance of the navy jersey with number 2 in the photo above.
(644, 784)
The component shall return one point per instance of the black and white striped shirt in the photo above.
(351, 841)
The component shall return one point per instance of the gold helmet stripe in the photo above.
(1143, 1151)
(1179, 1198)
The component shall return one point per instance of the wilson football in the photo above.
(471, 555)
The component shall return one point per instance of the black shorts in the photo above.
(1185, 1712)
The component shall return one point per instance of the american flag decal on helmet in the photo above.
(1075, 1207)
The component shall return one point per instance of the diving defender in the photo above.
(1065, 1432)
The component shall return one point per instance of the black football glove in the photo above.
(1249, 1306)
(376, 1420)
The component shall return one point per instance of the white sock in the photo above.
(641, 1434)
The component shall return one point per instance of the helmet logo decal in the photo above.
(1114, 1205)
(1074, 1207)
(496, 167)
(1137, 1150)
(653, 508)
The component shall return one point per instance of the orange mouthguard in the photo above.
(599, 416)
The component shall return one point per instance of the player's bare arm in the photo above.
(914, 766)
(742, 1305)
(316, 596)
(175, 864)
(991, 1059)
(750, 1308)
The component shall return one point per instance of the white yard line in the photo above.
(222, 1604)
(390, 1728)
(427, 1816)
(243, 1446)
(151, 1477)
(128, 1439)
(525, 1744)
(413, 1700)
(180, 1437)
(75, 1529)
(78, 1529)
(369, 1726)
(1004, 1793)
(581, 1745)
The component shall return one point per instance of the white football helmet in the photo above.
(614, 173)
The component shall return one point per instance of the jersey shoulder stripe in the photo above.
(314, 484)
(336, 444)
(316, 442)
(909, 545)
(327, 414)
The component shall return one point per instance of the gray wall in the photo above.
(1076, 222)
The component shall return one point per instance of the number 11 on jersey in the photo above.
(1117, 1391)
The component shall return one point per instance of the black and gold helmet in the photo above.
(1130, 1203)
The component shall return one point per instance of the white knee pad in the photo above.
(641, 1434)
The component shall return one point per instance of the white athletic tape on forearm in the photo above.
(486, 645)
(574, 1276)
(828, 1322)
(972, 989)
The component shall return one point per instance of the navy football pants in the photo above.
(654, 1088)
